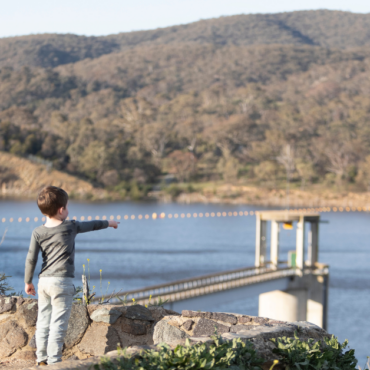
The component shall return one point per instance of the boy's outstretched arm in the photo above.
(84, 227)
(31, 262)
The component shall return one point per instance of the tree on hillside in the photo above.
(182, 164)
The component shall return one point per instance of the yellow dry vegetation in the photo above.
(21, 178)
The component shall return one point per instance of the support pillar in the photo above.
(317, 302)
(274, 244)
(261, 231)
(313, 242)
(300, 244)
(290, 305)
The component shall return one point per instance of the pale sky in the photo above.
(103, 17)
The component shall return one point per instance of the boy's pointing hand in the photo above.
(112, 223)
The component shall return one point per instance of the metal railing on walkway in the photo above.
(213, 283)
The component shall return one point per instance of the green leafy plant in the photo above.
(218, 355)
(302, 355)
(158, 303)
(5, 288)
(77, 297)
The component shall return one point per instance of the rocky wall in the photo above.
(200, 326)
(92, 331)
(96, 330)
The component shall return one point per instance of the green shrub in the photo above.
(300, 355)
(219, 355)
(174, 190)
(5, 289)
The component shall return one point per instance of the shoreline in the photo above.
(227, 194)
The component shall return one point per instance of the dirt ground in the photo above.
(14, 364)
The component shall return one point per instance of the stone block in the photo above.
(237, 328)
(209, 327)
(99, 339)
(12, 337)
(231, 319)
(158, 313)
(194, 340)
(260, 320)
(138, 312)
(166, 333)
(7, 304)
(187, 325)
(19, 300)
(171, 312)
(244, 319)
(135, 327)
(128, 340)
(189, 313)
(276, 322)
(6, 307)
(28, 312)
(109, 316)
(32, 342)
(78, 323)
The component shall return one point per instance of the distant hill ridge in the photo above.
(329, 29)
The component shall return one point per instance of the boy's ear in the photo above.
(60, 210)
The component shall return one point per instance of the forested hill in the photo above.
(329, 29)
(241, 97)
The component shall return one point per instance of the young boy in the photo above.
(56, 240)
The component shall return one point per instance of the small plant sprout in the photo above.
(88, 268)
(274, 364)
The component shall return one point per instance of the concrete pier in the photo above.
(306, 297)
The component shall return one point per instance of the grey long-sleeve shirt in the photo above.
(57, 245)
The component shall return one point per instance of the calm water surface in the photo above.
(148, 252)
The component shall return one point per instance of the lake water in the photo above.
(147, 252)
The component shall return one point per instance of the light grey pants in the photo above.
(55, 304)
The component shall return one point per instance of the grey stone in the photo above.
(171, 312)
(78, 323)
(209, 327)
(244, 319)
(134, 351)
(135, 327)
(260, 320)
(18, 300)
(28, 312)
(6, 304)
(307, 325)
(201, 340)
(165, 332)
(6, 307)
(12, 337)
(158, 313)
(99, 339)
(32, 342)
(237, 328)
(188, 324)
(268, 332)
(231, 319)
(189, 313)
(138, 312)
(109, 316)
(276, 322)
(242, 335)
